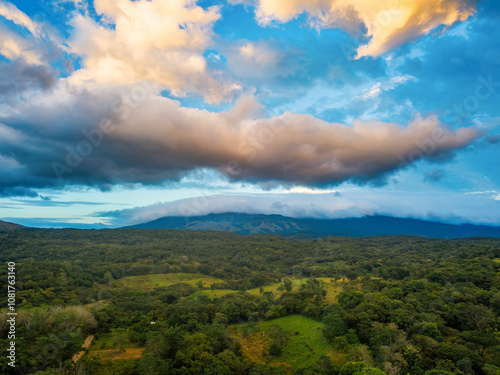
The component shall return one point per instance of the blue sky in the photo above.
(114, 112)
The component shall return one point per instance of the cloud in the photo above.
(48, 202)
(36, 42)
(382, 86)
(267, 65)
(10, 12)
(242, 2)
(435, 175)
(154, 40)
(449, 207)
(29, 47)
(261, 59)
(14, 46)
(385, 24)
(18, 76)
(129, 134)
(17, 191)
(294, 205)
(493, 139)
(64, 222)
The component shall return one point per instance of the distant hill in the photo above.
(7, 227)
(302, 228)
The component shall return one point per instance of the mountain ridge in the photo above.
(376, 225)
(6, 226)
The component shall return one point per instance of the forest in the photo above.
(159, 301)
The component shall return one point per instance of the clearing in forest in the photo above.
(149, 282)
(302, 346)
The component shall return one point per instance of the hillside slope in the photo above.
(353, 227)
(7, 227)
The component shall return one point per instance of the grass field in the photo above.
(148, 282)
(113, 340)
(296, 283)
(303, 348)
(115, 355)
(115, 346)
(333, 288)
(214, 294)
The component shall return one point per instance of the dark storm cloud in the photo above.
(493, 139)
(18, 76)
(51, 203)
(93, 138)
(17, 191)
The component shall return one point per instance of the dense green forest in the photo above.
(134, 301)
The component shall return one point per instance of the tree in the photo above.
(334, 326)
(274, 350)
(258, 369)
(491, 369)
(351, 368)
(370, 371)
(150, 364)
(413, 359)
(278, 338)
(481, 340)
(349, 299)
(438, 372)
(216, 367)
(326, 366)
(48, 371)
(474, 317)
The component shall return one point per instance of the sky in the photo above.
(117, 112)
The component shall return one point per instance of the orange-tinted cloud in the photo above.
(150, 40)
(155, 139)
(388, 23)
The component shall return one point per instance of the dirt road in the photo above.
(86, 345)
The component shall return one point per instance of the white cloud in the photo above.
(307, 190)
(259, 53)
(484, 121)
(263, 59)
(13, 46)
(12, 13)
(491, 194)
(449, 207)
(242, 2)
(382, 86)
(22, 44)
(153, 40)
